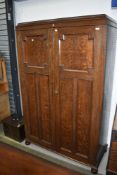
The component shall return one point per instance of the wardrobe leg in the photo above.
(27, 142)
(94, 170)
(102, 150)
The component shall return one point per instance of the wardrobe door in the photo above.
(78, 91)
(34, 63)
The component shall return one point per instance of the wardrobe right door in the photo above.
(79, 92)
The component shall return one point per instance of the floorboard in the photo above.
(17, 162)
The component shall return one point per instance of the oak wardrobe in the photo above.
(62, 71)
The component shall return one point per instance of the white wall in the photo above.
(32, 10)
(29, 10)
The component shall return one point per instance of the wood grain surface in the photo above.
(62, 71)
(14, 161)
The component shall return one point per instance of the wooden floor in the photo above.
(16, 162)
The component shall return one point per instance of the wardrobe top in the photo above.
(101, 19)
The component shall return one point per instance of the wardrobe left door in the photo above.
(34, 56)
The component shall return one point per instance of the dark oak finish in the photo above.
(62, 65)
(14, 161)
(77, 83)
(37, 77)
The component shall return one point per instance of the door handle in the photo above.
(61, 66)
(56, 92)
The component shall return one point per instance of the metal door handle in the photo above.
(61, 66)
(56, 92)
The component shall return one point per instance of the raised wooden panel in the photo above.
(83, 117)
(35, 49)
(44, 102)
(66, 111)
(39, 115)
(75, 116)
(76, 50)
(32, 105)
